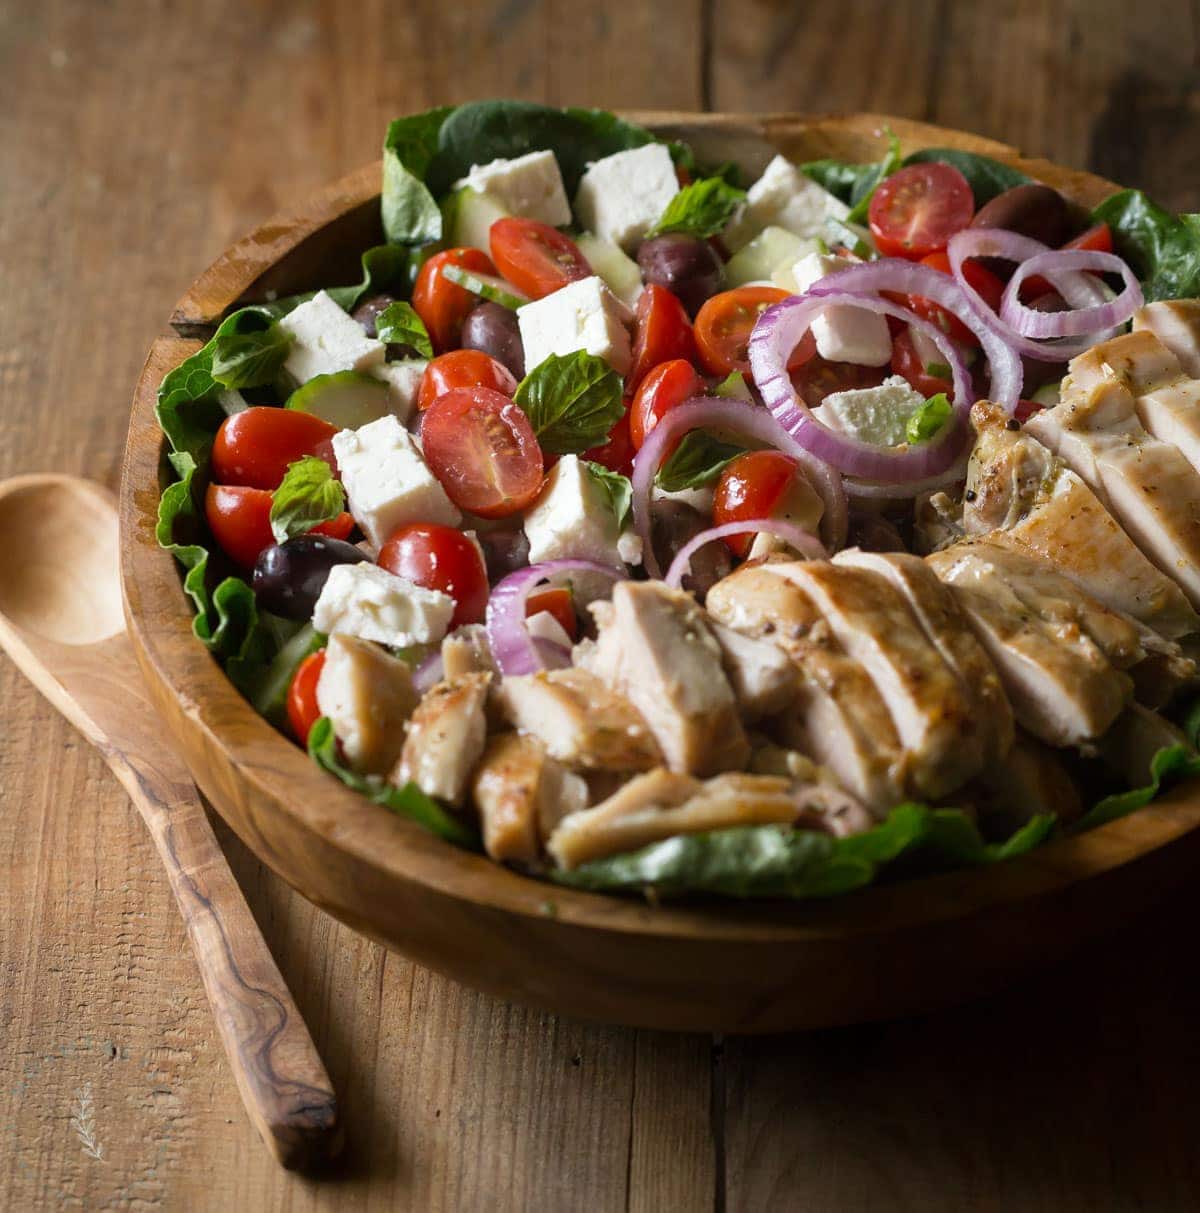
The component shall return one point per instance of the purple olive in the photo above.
(688, 267)
(289, 576)
(492, 328)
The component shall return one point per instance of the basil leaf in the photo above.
(1163, 249)
(616, 487)
(399, 324)
(866, 184)
(410, 214)
(986, 177)
(572, 401)
(249, 359)
(307, 496)
(928, 419)
(837, 176)
(701, 209)
(696, 461)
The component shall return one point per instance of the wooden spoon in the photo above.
(61, 622)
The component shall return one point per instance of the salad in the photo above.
(651, 526)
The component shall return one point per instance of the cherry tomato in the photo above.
(663, 332)
(761, 484)
(443, 305)
(1096, 239)
(617, 453)
(1026, 409)
(535, 257)
(302, 709)
(666, 387)
(916, 210)
(463, 368)
(724, 325)
(255, 446)
(480, 445)
(440, 558)
(556, 599)
(240, 520)
(906, 362)
(819, 378)
(989, 287)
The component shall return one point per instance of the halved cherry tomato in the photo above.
(555, 599)
(762, 484)
(916, 210)
(440, 558)
(617, 453)
(1096, 239)
(480, 445)
(819, 378)
(724, 325)
(443, 305)
(989, 287)
(463, 368)
(255, 446)
(302, 709)
(666, 387)
(1026, 409)
(907, 363)
(663, 332)
(240, 520)
(535, 257)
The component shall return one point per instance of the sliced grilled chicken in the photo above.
(466, 651)
(1028, 781)
(763, 677)
(445, 738)
(937, 522)
(579, 719)
(654, 647)
(521, 794)
(1135, 737)
(1176, 323)
(368, 695)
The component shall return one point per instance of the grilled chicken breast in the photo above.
(763, 678)
(445, 737)
(1135, 737)
(1030, 780)
(1176, 323)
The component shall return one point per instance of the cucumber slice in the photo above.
(773, 250)
(620, 273)
(1048, 395)
(346, 399)
(467, 218)
(270, 696)
(494, 290)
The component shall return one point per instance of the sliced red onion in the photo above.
(734, 417)
(874, 491)
(514, 650)
(789, 532)
(1082, 320)
(428, 671)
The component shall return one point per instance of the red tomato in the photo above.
(443, 305)
(757, 484)
(255, 446)
(819, 378)
(302, 710)
(440, 558)
(556, 599)
(665, 388)
(907, 363)
(480, 445)
(916, 210)
(463, 368)
(989, 287)
(663, 332)
(1026, 409)
(535, 257)
(240, 520)
(617, 453)
(724, 325)
(1096, 239)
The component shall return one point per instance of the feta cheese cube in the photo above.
(404, 381)
(369, 602)
(326, 340)
(622, 196)
(878, 415)
(583, 315)
(530, 186)
(784, 197)
(844, 334)
(543, 626)
(386, 480)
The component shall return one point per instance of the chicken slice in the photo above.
(521, 794)
(466, 651)
(1028, 781)
(1135, 737)
(445, 738)
(1176, 323)
(763, 678)
(580, 720)
(368, 695)
(654, 647)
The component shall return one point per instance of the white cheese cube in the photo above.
(622, 196)
(326, 340)
(583, 315)
(530, 186)
(878, 415)
(543, 626)
(404, 382)
(386, 480)
(369, 602)
(784, 197)
(844, 334)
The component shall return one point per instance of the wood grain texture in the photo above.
(136, 141)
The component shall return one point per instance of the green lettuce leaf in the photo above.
(307, 496)
(572, 401)
(399, 324)
(1168, 766)
(701, 209)
(242, 360)
(1163, 249)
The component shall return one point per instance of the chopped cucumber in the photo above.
(1048, 395)
(467, 218)
(346, 399)
(773, 251)
(270, 696)
(620, 273)
(494, 290)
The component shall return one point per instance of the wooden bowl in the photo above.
(728, 966)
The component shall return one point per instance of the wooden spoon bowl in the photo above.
(708, 966)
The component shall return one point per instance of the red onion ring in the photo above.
(1082, 320)
(738, 416)
(789, 532)
(866, 490)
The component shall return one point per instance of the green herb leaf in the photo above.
(865, 186)
(399, 324)
(939, 370)
(986, 177)
(1163, 249)
(572, 401)
(698, 460)
(700, 209)
(249, 359)
(616, 487)
(307, 496)
(410, 214)
(928, 419)
(1168, 766)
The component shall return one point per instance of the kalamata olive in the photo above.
(672, 524)
(504, 551)
(688, 267)
(1033, 210)
(289, 576)
(492, 328)
(368, 311)
(1037, 372)
(873, 533)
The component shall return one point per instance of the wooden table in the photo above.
(136, 140)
